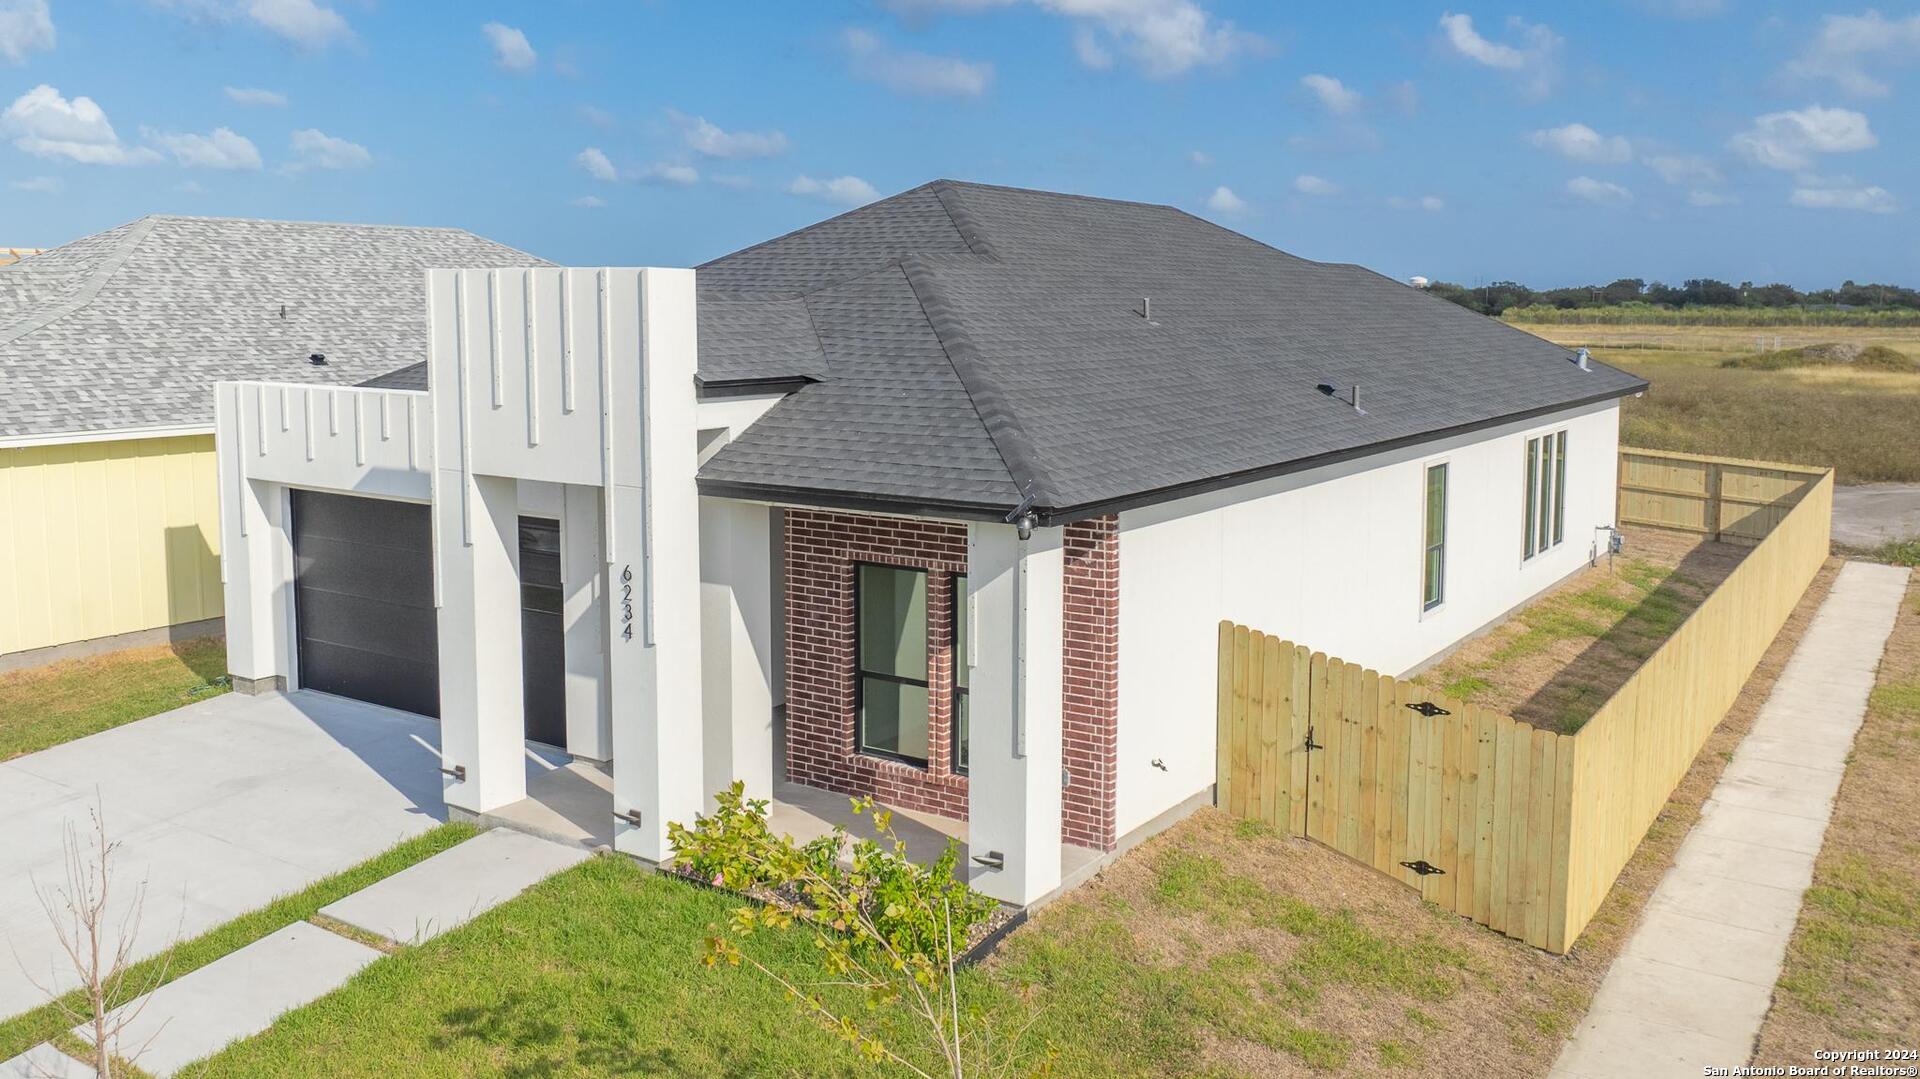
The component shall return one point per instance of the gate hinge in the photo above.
(1428, 708)
(1424, 868)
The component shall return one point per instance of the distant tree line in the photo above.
(1701, 292)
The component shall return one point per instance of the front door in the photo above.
(542, 632)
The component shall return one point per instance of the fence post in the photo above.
(1716, 479)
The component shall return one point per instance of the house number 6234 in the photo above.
(626, 603)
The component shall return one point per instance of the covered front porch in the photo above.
(571, 800)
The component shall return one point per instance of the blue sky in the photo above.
(1561, 145)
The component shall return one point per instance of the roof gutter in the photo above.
(74, 438)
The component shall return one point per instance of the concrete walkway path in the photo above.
(1692, 986)
(453, 887)
(241, 994)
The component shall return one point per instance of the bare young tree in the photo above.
(98, 944)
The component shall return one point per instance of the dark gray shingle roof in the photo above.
(130, 327)
(985, 342)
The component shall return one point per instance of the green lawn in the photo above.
(22, 1032)
(45, 706)
(1218, 949)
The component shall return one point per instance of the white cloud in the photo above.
(1314, 185)
(709, 140)
(1163, 38)
(1683, 168)
(1598, 192)
(1847, 43)
(1200, 159)
(1702, 197)
(319, 150)
(1404, 96)
(242, 95)
(45, 124)
(25, 25)
(1224, 201)
(588, 202)
(1788, 140)
(510, 48)
(668, 173)
(1876, 200)
(595, 161)
(731, 180)
(1533, 62)
(915, 72)
(596, 116)
(45, 185)
(1578, 142)
(220, 148)
(1429, 203)
(302, 22)
(846, 190)
(1333, 94)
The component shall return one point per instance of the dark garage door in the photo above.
(363, 600)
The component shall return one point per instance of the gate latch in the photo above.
(1428, 708)
(1310, 744)
(1424, 868)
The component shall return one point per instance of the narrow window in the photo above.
(1544, 527)
(1533, 491)
(891, 647)
(960, 675)
(1560, 488)
(1433, 576)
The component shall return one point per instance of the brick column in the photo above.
(1090, 709)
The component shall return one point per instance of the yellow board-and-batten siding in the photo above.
(107, 537)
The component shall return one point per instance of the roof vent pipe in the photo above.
(1584, 359)
(317, 360)
(1356, 396)
(1146, 307)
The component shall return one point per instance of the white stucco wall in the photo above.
(1329, 558)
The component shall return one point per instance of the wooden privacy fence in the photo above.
(1522, 830)
(1717, 497)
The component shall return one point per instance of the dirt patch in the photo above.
(1221, 948)
(1852, 973)
(1555, 662)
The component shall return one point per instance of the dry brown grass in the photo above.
(1852, 973)
(1724, 338)
(1223, 949)
(1554, 663)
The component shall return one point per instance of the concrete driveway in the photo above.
(1874, 513)
(220, 807)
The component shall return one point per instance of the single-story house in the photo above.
(109, 526)
(940, 501)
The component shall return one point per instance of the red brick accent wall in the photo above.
(1090, 712)
(822, 550)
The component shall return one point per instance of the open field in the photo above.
(1852, 974)
(44, 706)
(1555, 662)
(1720, 338)
(1860, 422)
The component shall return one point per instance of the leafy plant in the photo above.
(883, 926)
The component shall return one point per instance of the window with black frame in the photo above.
(891, 657)
(960, 675)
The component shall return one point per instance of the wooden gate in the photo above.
(1454, 800)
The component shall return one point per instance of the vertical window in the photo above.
(1546, 497)
(1433, 570)
(959, 725)
(891, 629)
(1560, 487)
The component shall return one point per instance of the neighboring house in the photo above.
(11, 255)
(108, 509)
(940, 500)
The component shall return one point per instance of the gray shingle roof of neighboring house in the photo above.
(986, 346)
(129, 328)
